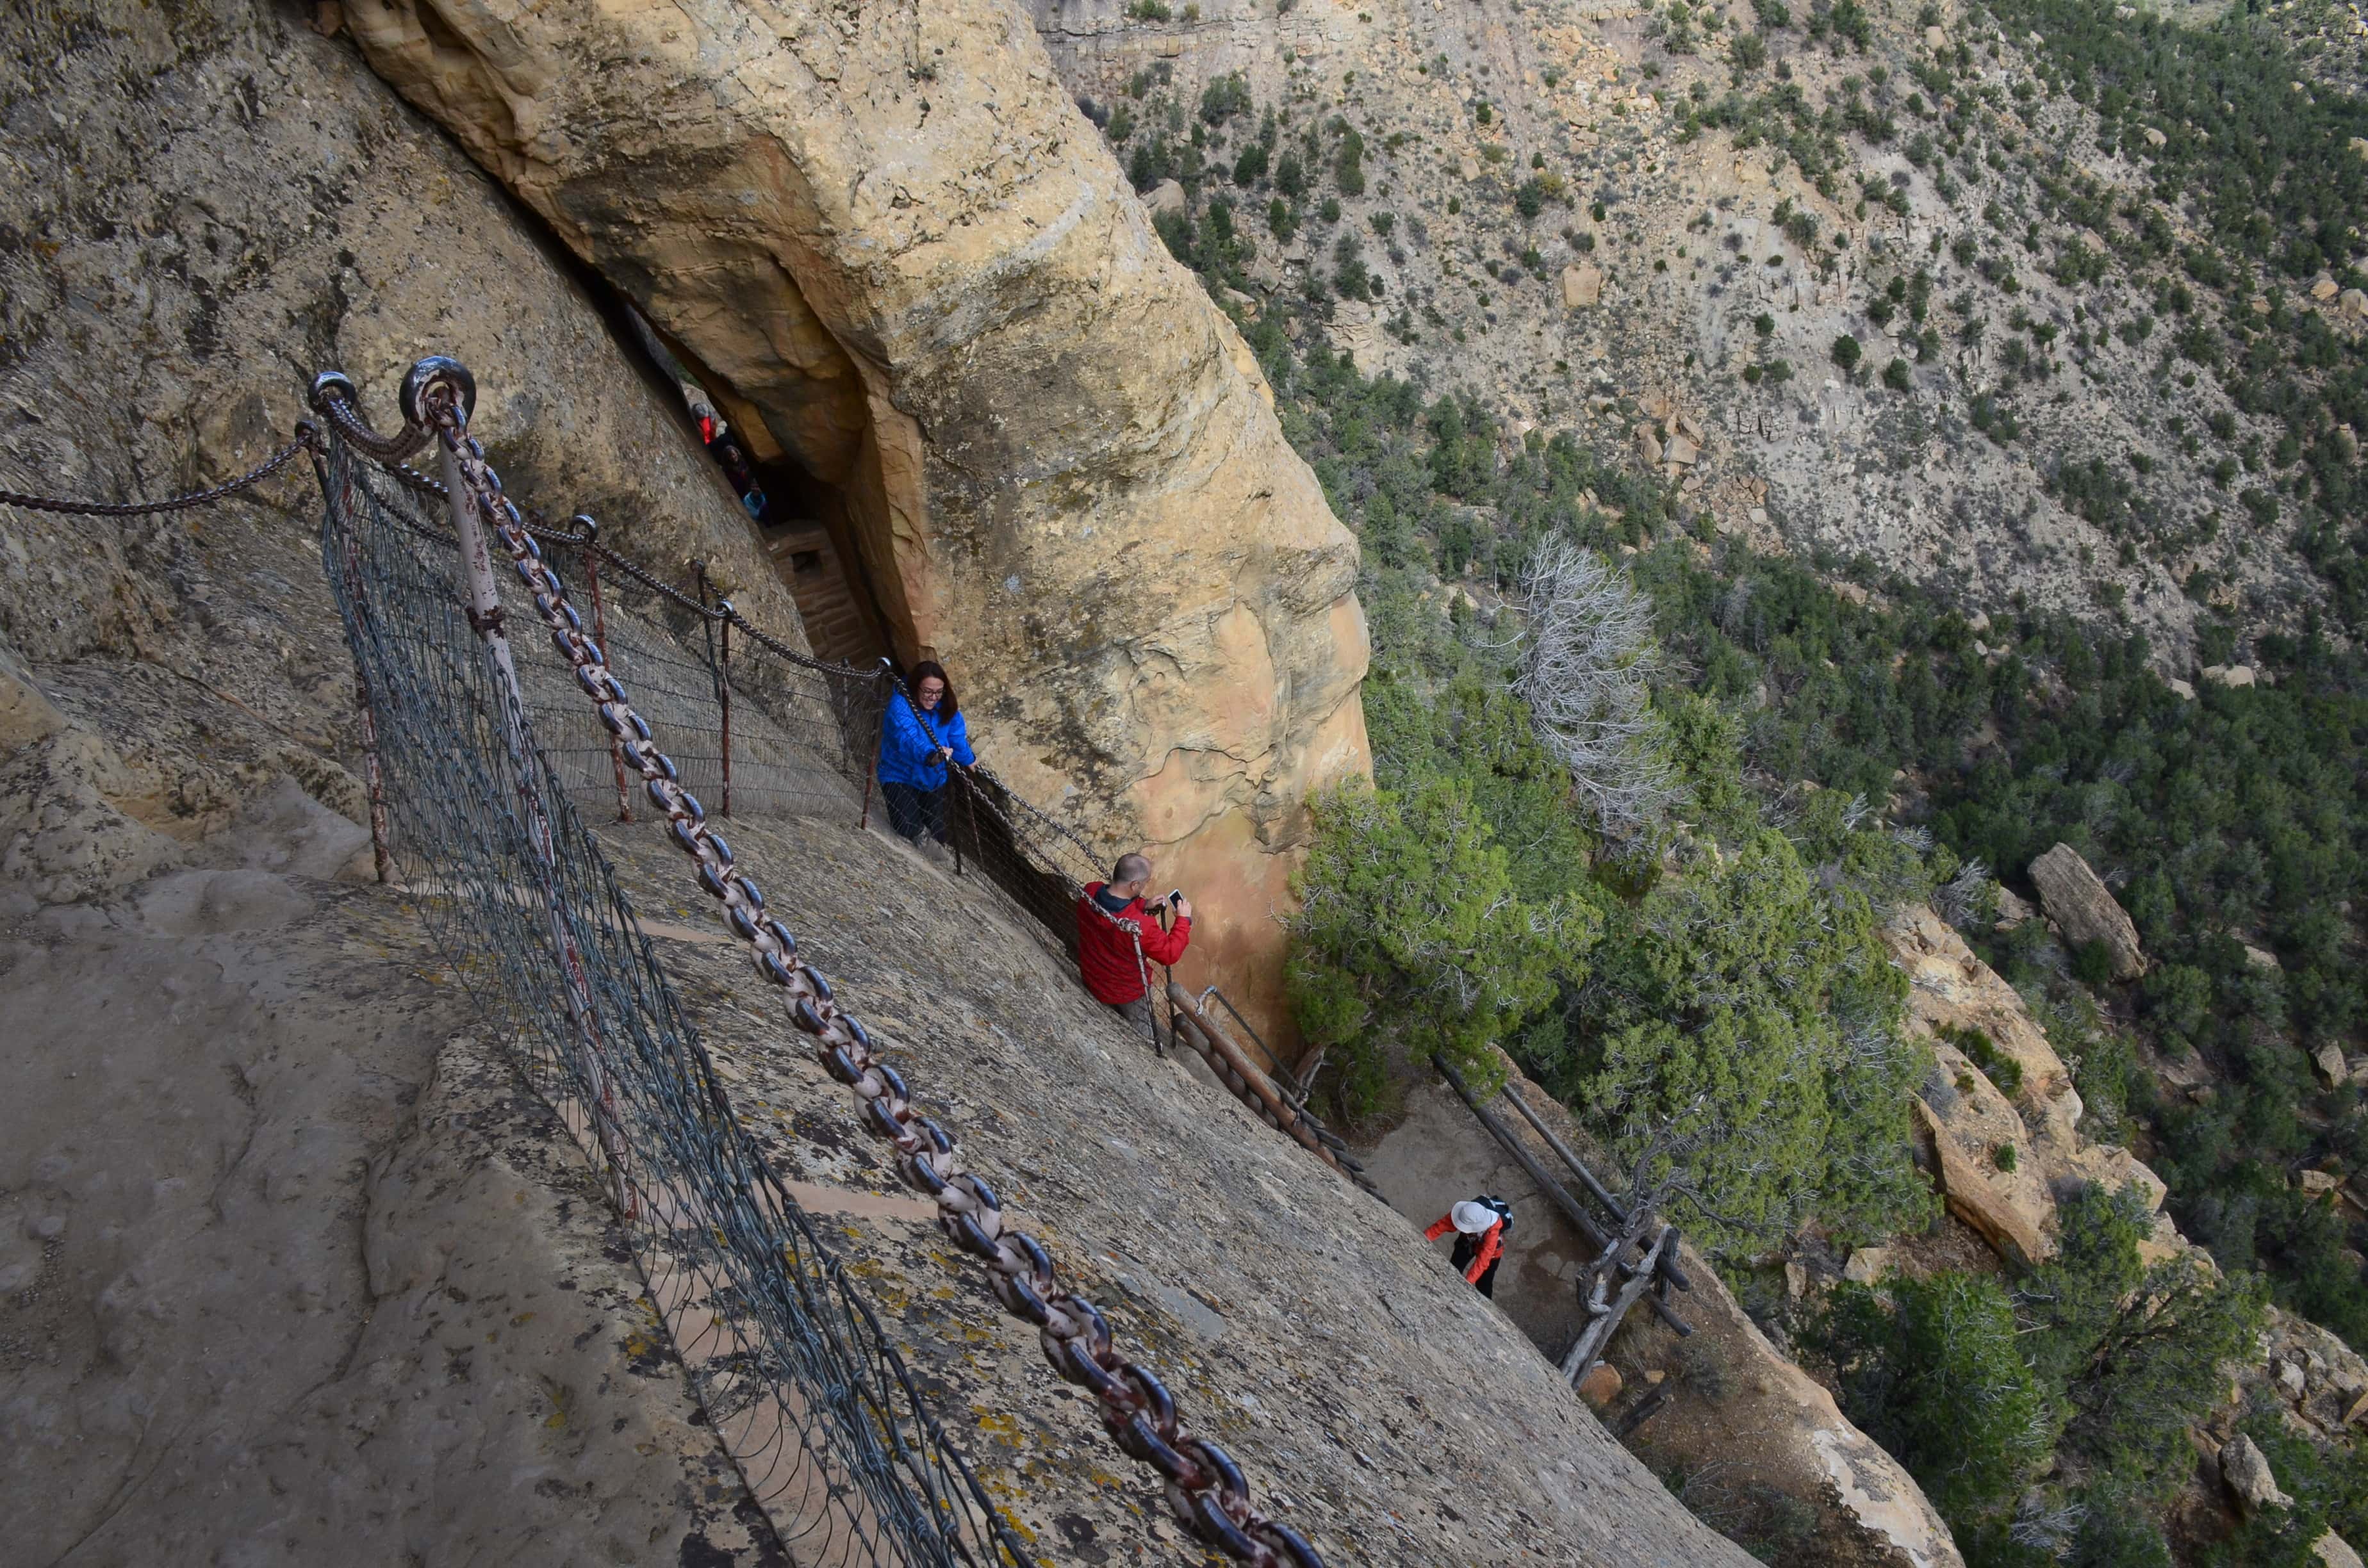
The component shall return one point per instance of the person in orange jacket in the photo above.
(1481, 1225)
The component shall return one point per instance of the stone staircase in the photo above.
(838, 625)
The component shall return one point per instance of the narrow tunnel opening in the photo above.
(805, 531)
(806, 522)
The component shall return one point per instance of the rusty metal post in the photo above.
(723, 695)
(381, 855)
(956, 783)
(600, 635)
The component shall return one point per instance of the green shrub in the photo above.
(1410, 942)
(1936, 1376)
(1348, 164)
(1224, 97)
(1759, 1013)
(1999, 1068)
(2089, 1376)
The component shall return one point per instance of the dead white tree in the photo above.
(1588, 657)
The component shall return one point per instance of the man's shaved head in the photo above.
(1130, 869)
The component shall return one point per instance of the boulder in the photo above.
(2078, 902)
(1935, 39)
(2181, 689)
(1599, 1385)
(2229, 674)
(2154, 138)
(1648, 446)
(1681, 451)
(1469, 167)
(1949, 988)
(2333, 1552)
(2353, 303)
(1581, 285)
(1165, 197)
(2332, 1070)
(1979, 1193)
(2323, 289)
(1056, 458)
(2247, 1474)
(2013, 909)
(1869, 1265)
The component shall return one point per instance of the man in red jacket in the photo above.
(1119, 937)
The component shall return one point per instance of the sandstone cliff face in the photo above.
(1370, 1396)
(281, 1273)
(1966, 1117)
(912, 267)
(284, 1264)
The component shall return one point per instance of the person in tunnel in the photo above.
(725, 449)
(922, 732)
(1481, 1225)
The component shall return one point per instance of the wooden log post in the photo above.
(1605, 1319)
(1670, 1270)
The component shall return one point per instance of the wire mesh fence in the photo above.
(801, 1383)
(759, 733)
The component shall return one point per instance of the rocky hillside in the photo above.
(1918, 287)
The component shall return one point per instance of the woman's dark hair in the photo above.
(947, 706)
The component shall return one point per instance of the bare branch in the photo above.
(1586, 672)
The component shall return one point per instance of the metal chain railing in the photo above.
(254, 476)
(796, 1375)
(1205, 1489)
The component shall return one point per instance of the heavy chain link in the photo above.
(1204, 1487)
(256, 475)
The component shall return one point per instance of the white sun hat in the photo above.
(1472, 1219)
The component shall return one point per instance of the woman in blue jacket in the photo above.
(918, 738)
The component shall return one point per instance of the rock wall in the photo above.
(1966, 1117)
(225, 204)
(285, 1263)
(288, 1262)
(911, 266)
(1459, 101)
